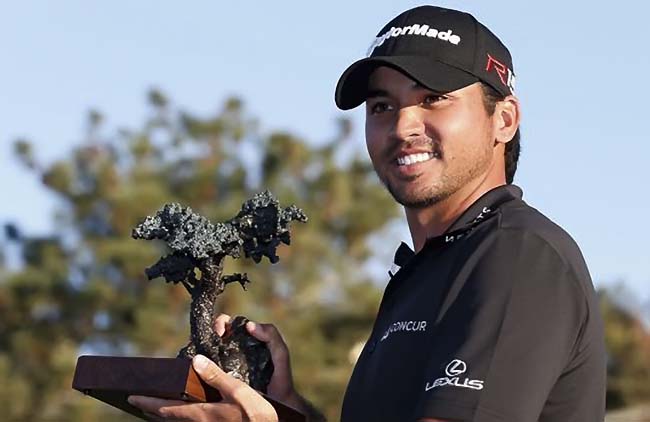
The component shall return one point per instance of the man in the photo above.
(493, 317)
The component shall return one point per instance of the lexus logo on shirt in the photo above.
(454, 370)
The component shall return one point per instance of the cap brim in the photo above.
(352, 87)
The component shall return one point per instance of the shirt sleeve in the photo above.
(511, 326)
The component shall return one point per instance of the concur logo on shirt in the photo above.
(405, 326)
(454, 370)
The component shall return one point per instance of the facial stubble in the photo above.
(449, 182)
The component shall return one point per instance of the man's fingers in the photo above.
(154, 406)
(228, 386)
(269, 334)
(263, 332)
(220, 324)
(160, 410)
(215, 376)
(252, 404)
(241, 402)
(152, 417)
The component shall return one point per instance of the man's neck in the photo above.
(433, 221)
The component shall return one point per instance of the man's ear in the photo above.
(506, 119)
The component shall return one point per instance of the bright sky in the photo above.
(581, 70)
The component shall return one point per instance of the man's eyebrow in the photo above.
(418, 86)
(372, 93)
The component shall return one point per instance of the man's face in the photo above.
(425, 146)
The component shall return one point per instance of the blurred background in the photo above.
(108, 110)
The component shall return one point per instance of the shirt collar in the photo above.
(492, 200)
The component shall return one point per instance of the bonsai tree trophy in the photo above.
(198, 250)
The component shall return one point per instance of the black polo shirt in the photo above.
(495, 321)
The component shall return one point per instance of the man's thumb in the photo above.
(208, 371)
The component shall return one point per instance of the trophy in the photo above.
(198, 250)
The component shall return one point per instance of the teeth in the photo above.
(414, 158)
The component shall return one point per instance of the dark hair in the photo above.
(490, 99)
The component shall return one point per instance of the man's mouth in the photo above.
(407, 160)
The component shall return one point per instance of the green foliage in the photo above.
(628, 347)
(83, 289)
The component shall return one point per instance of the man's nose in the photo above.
(408, 123)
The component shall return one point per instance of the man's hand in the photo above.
(281, 386)
(240, 402)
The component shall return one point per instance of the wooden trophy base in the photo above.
(113, 379)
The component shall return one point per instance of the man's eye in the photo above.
(379, 108)
(431, 99)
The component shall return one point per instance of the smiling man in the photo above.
(493, 316)
(508, 322)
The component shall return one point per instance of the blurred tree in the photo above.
(628, 347)
(82, 289)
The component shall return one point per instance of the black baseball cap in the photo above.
(442, 49)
